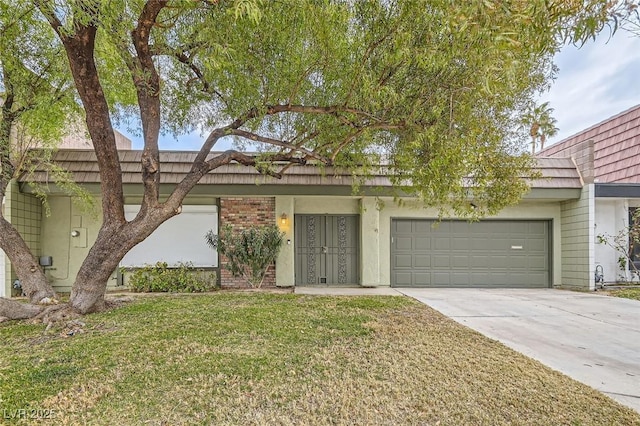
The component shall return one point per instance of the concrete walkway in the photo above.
(346, 291)
(592, 338)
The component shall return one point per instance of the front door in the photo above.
(326, 249)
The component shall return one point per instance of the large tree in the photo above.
(36, 102)
(435, 86)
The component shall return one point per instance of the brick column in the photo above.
(243, 213)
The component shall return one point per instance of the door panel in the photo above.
(326, 249)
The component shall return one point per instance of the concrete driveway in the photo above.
(592, 338)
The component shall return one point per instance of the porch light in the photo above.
(283, 219)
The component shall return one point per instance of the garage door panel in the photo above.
(442, 278)
(421, 261)
(404, 279)
(538, 262)
(460, 262)
(517, 262)
(537, 228)
(403, 227)
(458, 243)
(492, 244)
(460, 279)
(491, 253)
(441, 228)
(536, 245)
(420, 227)
(404, 243)
(403, 261)
(422, 243)
(421, 279)
(440, 243)
(479, 261)
(440, 261)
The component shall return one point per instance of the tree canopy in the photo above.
(434, 89)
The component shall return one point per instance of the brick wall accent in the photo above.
(242, 213)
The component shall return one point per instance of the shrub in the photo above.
(249, 252)
(180, 279)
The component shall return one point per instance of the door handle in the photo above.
(324, 250)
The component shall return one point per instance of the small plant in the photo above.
(160, 278)
(249, 252)
(625, 243)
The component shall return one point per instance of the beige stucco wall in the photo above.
(285, 275)
(578, 241)
(375, 222)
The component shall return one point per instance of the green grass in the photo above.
(258, 358)
(627, 293)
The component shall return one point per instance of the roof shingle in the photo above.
(614, 147)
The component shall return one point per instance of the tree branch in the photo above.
(277, 142)
(206, 87)
(147, 83)
(47, 9)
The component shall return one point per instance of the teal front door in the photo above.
(326, 249)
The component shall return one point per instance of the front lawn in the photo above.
(627, 293)
(265, 359)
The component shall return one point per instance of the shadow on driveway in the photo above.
(593, 339)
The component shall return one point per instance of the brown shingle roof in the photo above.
(556, 172)
(606, 152)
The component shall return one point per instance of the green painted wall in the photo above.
(68, 252)
(578, 241)
(24, 211)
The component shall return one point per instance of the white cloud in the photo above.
(595, 82)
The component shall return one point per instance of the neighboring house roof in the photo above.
(556, 172)
(608, 152)
(77, 137)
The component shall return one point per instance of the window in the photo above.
(179, 239)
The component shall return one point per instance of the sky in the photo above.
(595, 82)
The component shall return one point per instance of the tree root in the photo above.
(52, 313)
(55, 314)
(14, 310)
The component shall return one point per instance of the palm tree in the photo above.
(541, 125)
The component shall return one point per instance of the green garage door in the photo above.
(491, 253)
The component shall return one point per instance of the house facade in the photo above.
(332, 237)
(608, 158)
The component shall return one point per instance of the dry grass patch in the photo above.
(273, 359)
(627, 293)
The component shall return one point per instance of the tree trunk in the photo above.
(13, 310)
(34, 283)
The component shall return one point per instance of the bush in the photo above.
(249, 252)
(160, 278)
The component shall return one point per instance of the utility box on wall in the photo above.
(45, 261)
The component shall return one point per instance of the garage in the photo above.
(455, 253)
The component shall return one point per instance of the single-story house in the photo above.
(333, 237)
(608, 158)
